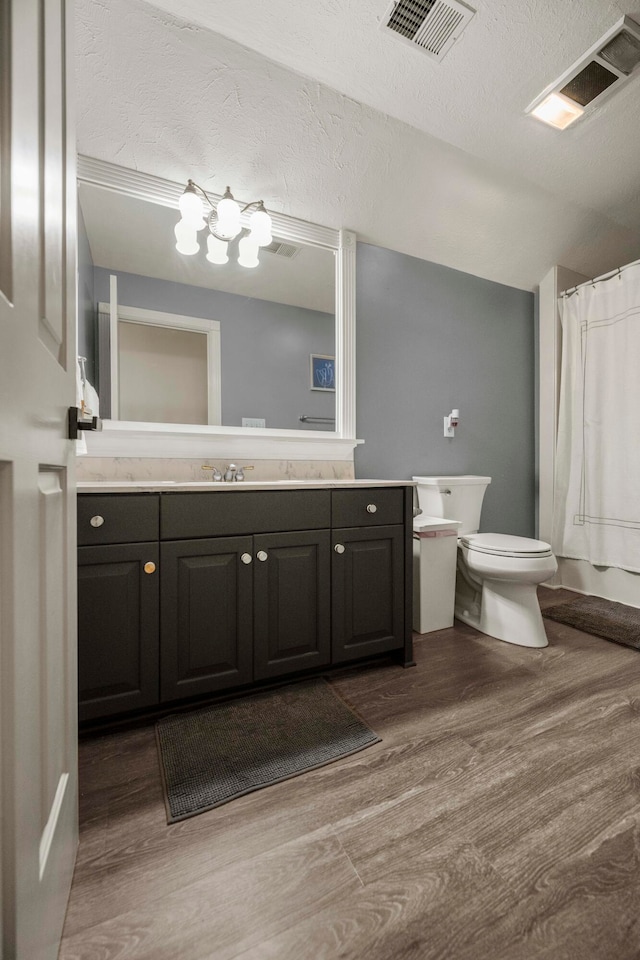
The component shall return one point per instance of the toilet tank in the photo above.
(456, 498)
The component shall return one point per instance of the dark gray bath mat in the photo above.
(604, 618)
(211, 756)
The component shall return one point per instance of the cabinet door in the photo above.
(206, 633)
(367, 591)
(117, 628)
(291, 596)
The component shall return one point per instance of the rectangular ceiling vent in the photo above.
(601, 71)
(281, 249)
(432, 25)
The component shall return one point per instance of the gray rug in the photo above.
(604, 618)
(211, 756)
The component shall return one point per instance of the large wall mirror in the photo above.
(177, 345)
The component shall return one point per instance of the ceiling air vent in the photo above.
(281, 249)
(431, 25)
(603, 69)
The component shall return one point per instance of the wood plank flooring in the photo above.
(499, 818)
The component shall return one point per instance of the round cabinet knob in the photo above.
(246, 558)
(371, 508)
(262, 555)
(339, 548)
(149, 567)
(96, 521)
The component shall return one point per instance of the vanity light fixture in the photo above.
(223, 221)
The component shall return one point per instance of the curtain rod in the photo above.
(605, 276)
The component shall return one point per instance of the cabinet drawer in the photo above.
(126, 518)
(376, 506)
(219, 514)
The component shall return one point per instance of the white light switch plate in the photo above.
(254, 422)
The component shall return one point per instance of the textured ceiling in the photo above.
(428, 159)
(475, 98)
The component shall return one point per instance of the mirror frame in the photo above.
(120, 438)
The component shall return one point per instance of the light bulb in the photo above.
(260, 223)
(186, 240)
(191, 208)
(216, 250)
(228, 214)
(558, 111)
(248, 252)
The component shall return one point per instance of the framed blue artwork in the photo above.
(323, 372)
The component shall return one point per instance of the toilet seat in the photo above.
(504, 545)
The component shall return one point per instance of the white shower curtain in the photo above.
(597, 488)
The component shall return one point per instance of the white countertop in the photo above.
(193, 486)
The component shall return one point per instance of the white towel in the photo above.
(81, 442)
(88, 404)
(91, 401)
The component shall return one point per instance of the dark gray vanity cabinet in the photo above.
(367, 592)
(258, 609)
(206, 615)
(292, 596)
(117, 628)
(118, 592)
(368, 572)
(184, 594)
(237, 609)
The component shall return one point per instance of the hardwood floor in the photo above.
(499, 818)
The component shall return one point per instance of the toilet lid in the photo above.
(501, 544)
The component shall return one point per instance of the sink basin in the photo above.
(95, 486)
(126, 483)
(236, 485)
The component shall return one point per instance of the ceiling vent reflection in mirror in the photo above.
(432, 25)
(222, 220)
(281, 249)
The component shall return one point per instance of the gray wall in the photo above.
(430, 339)
(86, 302)
(265, 346)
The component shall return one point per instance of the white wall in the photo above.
(163, 376)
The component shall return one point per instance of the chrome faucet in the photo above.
(229, 473)
(216, 476)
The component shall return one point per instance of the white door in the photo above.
(38, 754)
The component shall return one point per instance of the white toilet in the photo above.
(497, 574)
